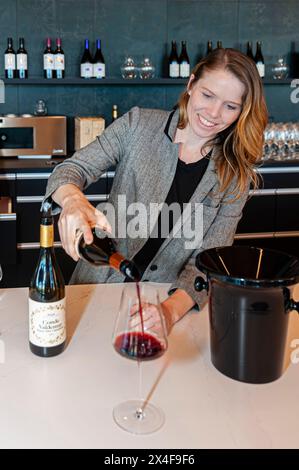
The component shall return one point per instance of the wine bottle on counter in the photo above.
(10, 60)
(59, 60)
(249, 52)
(86, 65)
(173, 61)
(98, 62)
(102, 252)
(47, 328)
(209, 47)
(48, 60)
(22, 60)
(184, 61)
(114, 112)
(259, 60)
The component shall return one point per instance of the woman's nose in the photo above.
(214, 110)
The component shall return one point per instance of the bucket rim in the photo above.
(247, 281)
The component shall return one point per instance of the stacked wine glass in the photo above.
(281, 141)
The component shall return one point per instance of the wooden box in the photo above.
(87, 129)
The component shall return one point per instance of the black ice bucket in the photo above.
(249, 304)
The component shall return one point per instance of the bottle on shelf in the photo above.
(173, 62)
(184, 61)
(86, 65)
(22, 60)
(102, 252)
(48, 60)
(99, 62)
(59, 60)
(249, 52)
(259, 60)
(47, 326)
(10, 60)
(114, 112)
(219, 45)
(209, 47)
(294, 60)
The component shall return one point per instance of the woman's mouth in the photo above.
(204, 122)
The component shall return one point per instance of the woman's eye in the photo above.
(206, 95)
(233, 108)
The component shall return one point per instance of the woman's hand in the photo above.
(152, 317)
(173, 309)
(77, 214)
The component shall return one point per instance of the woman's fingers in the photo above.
(102, 222)
(76, 218)
(85, 229)
(151, 318)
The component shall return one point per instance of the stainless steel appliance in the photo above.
(36, 136)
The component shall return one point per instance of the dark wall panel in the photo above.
(138, 28)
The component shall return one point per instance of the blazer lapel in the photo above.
(158, 180)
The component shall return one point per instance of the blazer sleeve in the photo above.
(89, 163)
(220, 233)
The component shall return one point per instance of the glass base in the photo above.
(132, 418)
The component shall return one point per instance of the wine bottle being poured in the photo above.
(102, 252)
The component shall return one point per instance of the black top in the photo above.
(186, 179)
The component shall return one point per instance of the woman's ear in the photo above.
(189, 86)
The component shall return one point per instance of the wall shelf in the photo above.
(117, 81)
(94, 81)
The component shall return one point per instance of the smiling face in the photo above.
(215, 103)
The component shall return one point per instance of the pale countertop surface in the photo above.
(67, 401)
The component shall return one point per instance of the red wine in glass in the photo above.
(139, 346)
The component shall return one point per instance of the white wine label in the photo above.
(10, 62)
(261, 69)
(174, 70)
(59, 61)
(22, 61)
(47, 323)
(184, 70)
(48, 62)
(99, 70)
(86, 70)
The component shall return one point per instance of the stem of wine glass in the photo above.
(139, 411)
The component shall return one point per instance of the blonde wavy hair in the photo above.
(238, 149)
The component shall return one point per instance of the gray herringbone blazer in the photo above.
(140, 145)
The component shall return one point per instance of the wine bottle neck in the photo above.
(115, 260)
(46, 236)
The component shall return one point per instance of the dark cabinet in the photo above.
(20, 273)
(19, 231)
(287, 215)
(270, 217)
(258, 214)
(8, 250)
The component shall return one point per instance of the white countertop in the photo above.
(67, 401)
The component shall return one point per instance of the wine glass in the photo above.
(139, 335)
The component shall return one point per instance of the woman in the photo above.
(203, 152)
